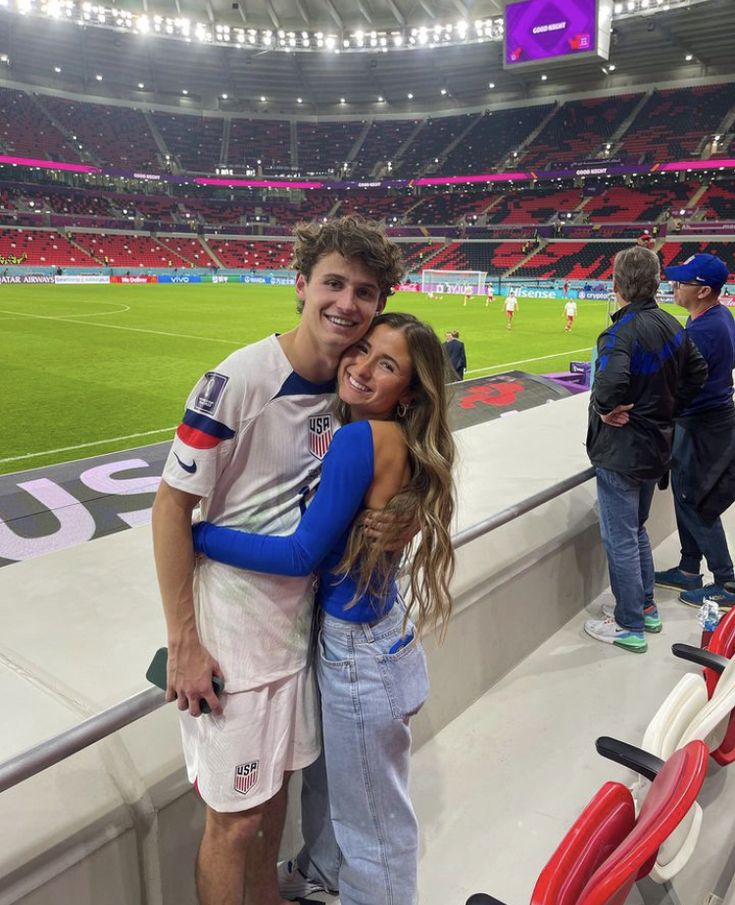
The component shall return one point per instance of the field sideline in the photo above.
(90, 369)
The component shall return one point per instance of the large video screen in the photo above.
(546, 30)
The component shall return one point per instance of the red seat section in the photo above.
(27, 131)
(252, 255)
(535, 207)
(623, 204)
(129, 251)
(678, 252)
(722, 642)
(39, 248)
(116, 136)
(674, 123)
(578, 131)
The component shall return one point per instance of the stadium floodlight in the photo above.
(453, 282)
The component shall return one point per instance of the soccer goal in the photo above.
(453, 282)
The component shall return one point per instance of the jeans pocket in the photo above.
(332, 654)
(406, 679)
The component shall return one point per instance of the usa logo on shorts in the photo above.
(246, 776)
(320, 435)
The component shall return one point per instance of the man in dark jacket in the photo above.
(647, 370)
(704, 438)
(456, 353)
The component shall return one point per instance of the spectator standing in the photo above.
(704, 438)
(456, 355)
(648, 369)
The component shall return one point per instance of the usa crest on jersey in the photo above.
(320, 435)
(246, 776)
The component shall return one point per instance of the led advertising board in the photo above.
(542, 31)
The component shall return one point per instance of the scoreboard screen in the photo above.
(542, 31)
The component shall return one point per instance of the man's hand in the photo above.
(377, 524)
(618, 417)
(190, 671)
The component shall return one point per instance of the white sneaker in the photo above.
(608, 631)
(293, 885)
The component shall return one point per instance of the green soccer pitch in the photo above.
(94, 369)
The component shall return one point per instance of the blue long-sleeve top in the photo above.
(319, 542)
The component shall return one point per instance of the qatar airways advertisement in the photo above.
(546, 30)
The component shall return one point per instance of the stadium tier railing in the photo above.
(47, 753)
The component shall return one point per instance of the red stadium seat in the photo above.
(607, 850)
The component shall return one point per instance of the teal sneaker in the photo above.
(608, 631)
(651, 619)
(724, 599)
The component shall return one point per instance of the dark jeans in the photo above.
(699, 539)
(624, 504)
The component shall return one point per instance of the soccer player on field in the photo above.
(467, 296)
(489, 295)
(511, 306)
(570, 310)
(250, 447)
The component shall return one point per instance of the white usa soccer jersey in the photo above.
(250, 445)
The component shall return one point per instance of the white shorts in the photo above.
(237, 760)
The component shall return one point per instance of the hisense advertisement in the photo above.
(541, 31)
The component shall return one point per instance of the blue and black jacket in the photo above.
(646, 358)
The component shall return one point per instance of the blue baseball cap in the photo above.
(708, 270)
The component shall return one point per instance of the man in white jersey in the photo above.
(570, 310)
(489, 295)
(249, 449)
(511, 306)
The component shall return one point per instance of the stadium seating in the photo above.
(719, 202)
(449, 207)
(267, 141)
(573, 260)
(644, 204)
(131, 250)
(674, 123)
(114, 136)
(195, 141)
(534, 206)
(26, 131)
(324, 147)
(189, 250)
(381, 145)
(42, 249)
(430, 143)
(252, 255)
(376, 204)
(496, 134)
(608, 849)
(578, 131)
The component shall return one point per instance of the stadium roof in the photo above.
(82, 56)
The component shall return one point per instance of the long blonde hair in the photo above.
(427, 499)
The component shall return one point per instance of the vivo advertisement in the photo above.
(538, 31)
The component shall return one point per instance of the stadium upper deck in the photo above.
(660, 125)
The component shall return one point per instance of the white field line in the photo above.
(50, 452)
(524, 361)
(121, 309)
(67, 320)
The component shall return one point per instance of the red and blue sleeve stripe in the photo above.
(201, 431)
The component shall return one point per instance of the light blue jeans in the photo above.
(359, 826)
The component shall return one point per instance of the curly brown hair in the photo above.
(354, 238)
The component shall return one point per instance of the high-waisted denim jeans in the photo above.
(368, 695)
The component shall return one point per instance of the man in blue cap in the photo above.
(703, 456)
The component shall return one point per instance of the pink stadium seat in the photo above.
(607, 850)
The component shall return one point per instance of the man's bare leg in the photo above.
(222, 858)
(261, 884)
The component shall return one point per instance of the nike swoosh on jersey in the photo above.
(191, 469)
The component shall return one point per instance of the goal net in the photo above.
(455, 282)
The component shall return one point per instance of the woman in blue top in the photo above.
(395, 453)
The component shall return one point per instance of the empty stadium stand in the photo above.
(578, 131)
(42, 249)
(430, 143)
(195, 141)
(324, 147)
(26, 130)
(264, 141)
(381, 145)
(674, 123)
(629, 204)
